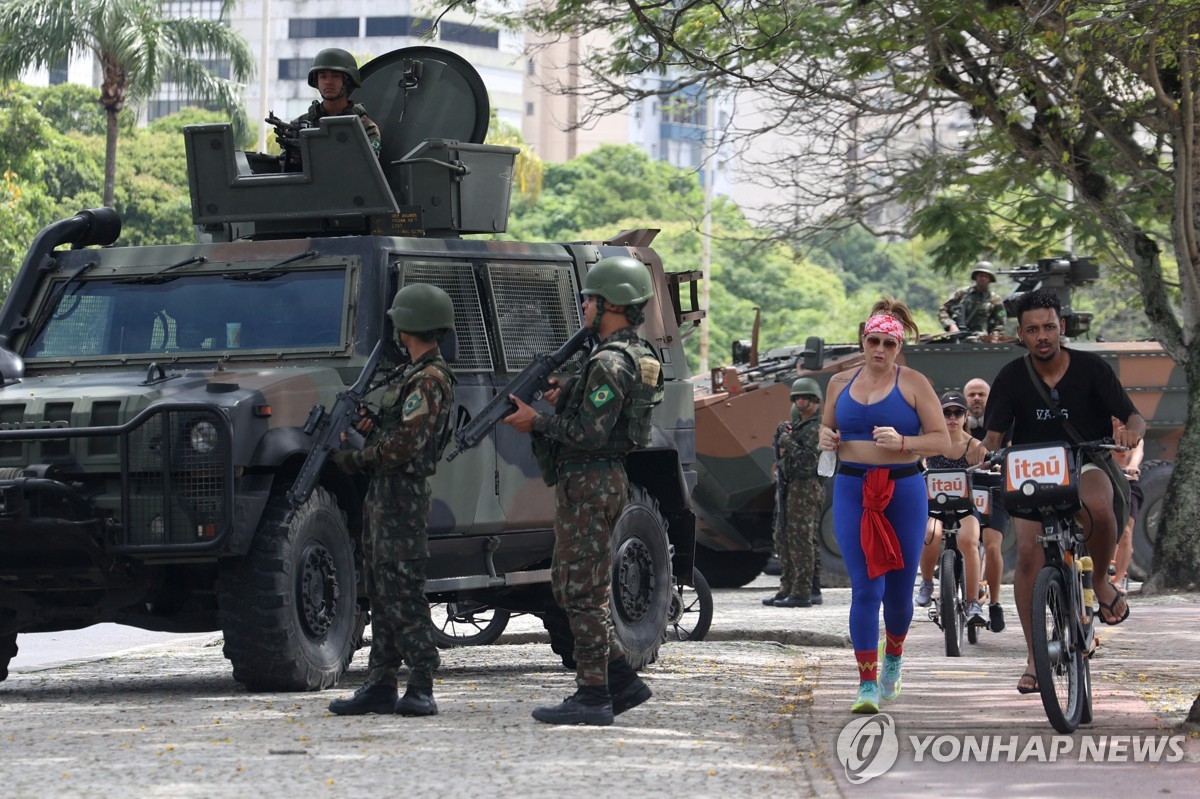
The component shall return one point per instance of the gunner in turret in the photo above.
(975, 308)
(334, 74)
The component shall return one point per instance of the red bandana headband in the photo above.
(882, 323)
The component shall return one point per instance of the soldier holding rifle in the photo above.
(401, 453)
(601, 415)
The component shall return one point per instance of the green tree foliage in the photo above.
(138, 46)
(51, 171)
(948, 108)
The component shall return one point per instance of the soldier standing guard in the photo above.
(975, 308)
(402, 451)
(601, 415)
(801, 496)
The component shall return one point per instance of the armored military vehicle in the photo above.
(739, 406)
(158, 402)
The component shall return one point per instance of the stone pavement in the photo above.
(1145, 676)
(754, 710)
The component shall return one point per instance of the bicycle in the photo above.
(1044, 479)
(951, 500)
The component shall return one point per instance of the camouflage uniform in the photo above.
(803, 494)
(403, 450)
(972, 310)
(601, 413)
(312, 118)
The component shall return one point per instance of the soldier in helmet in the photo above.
(975, 308)
(402, 450)
(601, 415)
(801, 496)
(334, 74)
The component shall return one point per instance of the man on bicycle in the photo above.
(1085, 392)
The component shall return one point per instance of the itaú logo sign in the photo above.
(949, 484)
(34, 425)
(982, 498)
(1045, 465)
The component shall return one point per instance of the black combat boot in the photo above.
(793, 601)
(416, 702)
(771, 600)
(589, 705)
(625, 686)
(371, 697)
(815, 598)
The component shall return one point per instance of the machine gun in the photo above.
(527, 386)
(328, 429)
(1059, 275)
(288, 136)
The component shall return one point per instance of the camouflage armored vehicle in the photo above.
(158, 402)
(739, 406)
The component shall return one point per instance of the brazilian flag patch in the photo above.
(412, 405)
(601, 395)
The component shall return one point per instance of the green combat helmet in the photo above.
(421, 308)
(806, 385)
(335, 59)
(621, 280)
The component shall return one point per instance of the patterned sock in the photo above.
(895, 644)
(868, 664)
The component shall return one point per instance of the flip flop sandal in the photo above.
(1024, 689)
(1109, 607)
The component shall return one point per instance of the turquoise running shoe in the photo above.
(867, 700)
(889, 681)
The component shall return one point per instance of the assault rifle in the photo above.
(327, 429)
(288, 136)
(527, 386)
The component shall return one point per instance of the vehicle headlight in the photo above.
(204, 437)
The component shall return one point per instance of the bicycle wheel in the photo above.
(950, 604)
(691, 611)
(467, 623)
(1055, 658)
(1085, 671)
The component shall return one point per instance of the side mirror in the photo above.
(12, 366)
(813, 356)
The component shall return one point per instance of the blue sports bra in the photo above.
(856, 421)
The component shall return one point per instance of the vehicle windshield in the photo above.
(206, 313)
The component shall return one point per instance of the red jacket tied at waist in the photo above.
(879, 542)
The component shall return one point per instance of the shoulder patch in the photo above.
(601, 395)
(414, 406)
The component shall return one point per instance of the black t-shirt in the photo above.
(1089, 395)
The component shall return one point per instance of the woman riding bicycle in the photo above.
(874, 416)
(954, 410)
(1076, 390)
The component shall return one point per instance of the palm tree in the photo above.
(138, 46)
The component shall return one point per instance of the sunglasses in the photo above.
(953, 413)
(887, 343)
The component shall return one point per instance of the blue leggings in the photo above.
(907, 512)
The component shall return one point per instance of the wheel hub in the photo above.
(318, 590)
(635, 580)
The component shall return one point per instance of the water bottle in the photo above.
(827, 463)
(1089, 594)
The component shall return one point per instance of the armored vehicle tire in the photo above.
(1153, 480)
(730, 569)
(467, 623)
(289, 607)
(642, 587)
(8, 651)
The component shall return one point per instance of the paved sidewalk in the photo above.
(1145, 676)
